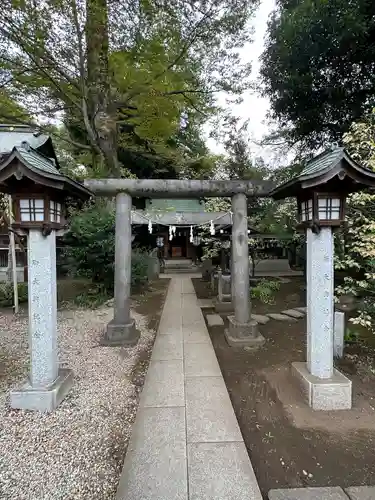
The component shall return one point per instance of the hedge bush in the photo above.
(90, 248)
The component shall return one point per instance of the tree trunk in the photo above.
(101, 109)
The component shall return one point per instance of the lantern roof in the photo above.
(14, 134)
(26, 162)
(334, 169)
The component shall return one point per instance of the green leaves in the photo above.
(318, 67)
(122, 74)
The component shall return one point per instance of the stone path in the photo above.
(186, 443)
(330, 493)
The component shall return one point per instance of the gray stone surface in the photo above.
(224, 287)
(47, 385)
(334, 393)
(329, 493)
(361, 492)
(294, 313)
(42, 308)
(242, 330)
(209, 412)
(206, 303)
(240, 255)
(44, 399)
(164, 384)
(214, 320)
(281, 317)
(196, 334)
(155, 466)
(224, 307)
(339, 334)
(123, 250)
(200, 361)
(221, 471)
(167, 347)
(249, 343)
(260, 318)
(120, 334)
(180, 188)
(302, 309)
(319, 299)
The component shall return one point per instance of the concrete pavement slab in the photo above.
(200, 361)
(221, 471)
(155, 466)
(209, 413)
(164, 384)
(167, 347)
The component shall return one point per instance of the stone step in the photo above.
(294, 313)
(335, 493)
(280, 317)
(260, 318)
(214, 320)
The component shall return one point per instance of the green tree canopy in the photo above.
(318, 67)
(122, 73)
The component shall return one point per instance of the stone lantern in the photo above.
(321, 190)
(39, 192)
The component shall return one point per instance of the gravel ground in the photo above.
(76, 452)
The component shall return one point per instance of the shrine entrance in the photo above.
(121, 330)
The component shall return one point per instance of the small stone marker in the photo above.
(259, 318)
(214, 320)
(338, 334)
(294, 313)
(302, 309)
(224, 287)
(280, 317)
(335, 493)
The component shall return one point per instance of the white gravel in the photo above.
(77, 451)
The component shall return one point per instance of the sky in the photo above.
(254, 107)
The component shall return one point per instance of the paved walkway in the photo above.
(186, 443)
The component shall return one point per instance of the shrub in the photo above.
(140, 262)
(265, 290)
(6, 294)
(90, 248)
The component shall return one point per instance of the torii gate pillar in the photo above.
(121, 330)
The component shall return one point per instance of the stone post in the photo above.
(339, 334)
(121, 330)
(47, 384)
(325, 387)
(320, 310)
(243, 331)
(240, 255)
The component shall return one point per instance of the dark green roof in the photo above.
(175, 205)
(37, 161)
(322, 162)
(333, 164)
(38, 167)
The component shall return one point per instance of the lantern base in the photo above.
(44, 399)
(333, 393)
(121, 334)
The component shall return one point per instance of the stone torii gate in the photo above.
(121, 330)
